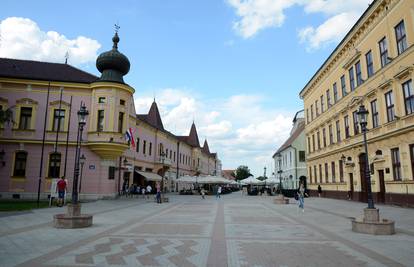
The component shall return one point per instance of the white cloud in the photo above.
(239, 127)
(331, 31)
(256, 15)
(22, 38)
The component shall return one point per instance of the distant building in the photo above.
(111, 161)
(371, 66)
(290, 165)
(228, 174)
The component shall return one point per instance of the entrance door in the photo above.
(351, 184)
(363, 194)
(381, 195)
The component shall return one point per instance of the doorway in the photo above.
(381, 194)
(363, 194)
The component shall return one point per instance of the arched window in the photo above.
(54, 165)
(20, 164)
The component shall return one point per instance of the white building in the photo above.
(290, 164)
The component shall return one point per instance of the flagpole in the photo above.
(43, 147)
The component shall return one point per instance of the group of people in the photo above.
(136, 190)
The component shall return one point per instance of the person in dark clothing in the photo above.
(319, 190)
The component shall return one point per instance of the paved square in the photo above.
(188, 231)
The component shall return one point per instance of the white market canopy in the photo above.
(204, 180)
(252, 181)
(150, 176)
(272, 180)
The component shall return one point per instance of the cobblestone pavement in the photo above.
(188, 231)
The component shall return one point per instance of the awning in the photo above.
(150, 176)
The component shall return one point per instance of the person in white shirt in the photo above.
(218, 192)
(149, 189)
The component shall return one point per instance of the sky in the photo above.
(235, 67)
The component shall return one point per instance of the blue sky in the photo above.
(234, 66)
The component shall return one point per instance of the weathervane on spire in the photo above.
(117, 27)
(66, 57)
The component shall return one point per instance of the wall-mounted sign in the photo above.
(91, 167)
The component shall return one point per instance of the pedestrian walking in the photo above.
(301, 196)
(319, 190)
(203, 193)
(158, 193)
(218, 192)
(61, 189)
(143, 192)
(149, 190)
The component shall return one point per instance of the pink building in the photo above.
(45, 98)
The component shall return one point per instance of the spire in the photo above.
(206, 149)
(154, 117)
(193, 136)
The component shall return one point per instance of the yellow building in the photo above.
(372, 66)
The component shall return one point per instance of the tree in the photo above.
(243, 172)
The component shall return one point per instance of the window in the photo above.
(374, 114)
(138, 141)
(319, 140)
(346, 124)
(54, 165)
(335, 93)
(122, 102)
(338, 132)
(307, 115)
(343, 85)
(316, 108)
(316, 174)
(412, 158)
(25, 118)
(144, 147)
(326, 173)
(100, 123)
(396, 164)
(150, 149)
(408, 97)
(401, 37)
(111, 172)
(356, 126)
(358, 73)
(310, 174)
(58, 120)
(20, 164)
(328, 98)
(313, 142)
(389, 102)
(351, 79)
(301, 156)
(309, 144)
(120, 122)
(170, 154)
(324, 137)
(322, 104)
(101, 100)
(383, 52)
(311, 112)
(320, 173)
(333, 171)
(341, 171)
(330, 135)
(174, 156)
(370, 64)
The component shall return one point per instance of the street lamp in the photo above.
(362, 117)
(162, 157)
(82, 114)
(82, 160)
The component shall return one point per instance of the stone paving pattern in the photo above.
(188, 231)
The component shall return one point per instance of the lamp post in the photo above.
(264, 176)
(82, 160)
(162, 177)
(362, 116)
(82, 114)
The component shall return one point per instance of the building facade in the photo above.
(289, 159)
(372, 66)
(39, 144)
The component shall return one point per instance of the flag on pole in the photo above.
(129, 136)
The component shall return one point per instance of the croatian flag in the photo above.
(129, 135)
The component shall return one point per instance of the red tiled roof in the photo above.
(45, 71)
(229, 174)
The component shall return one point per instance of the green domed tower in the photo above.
(113, 64)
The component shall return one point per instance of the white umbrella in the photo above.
(253, 181)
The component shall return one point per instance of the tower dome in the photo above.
(113, 64)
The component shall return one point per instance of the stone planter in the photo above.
(73, 218)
